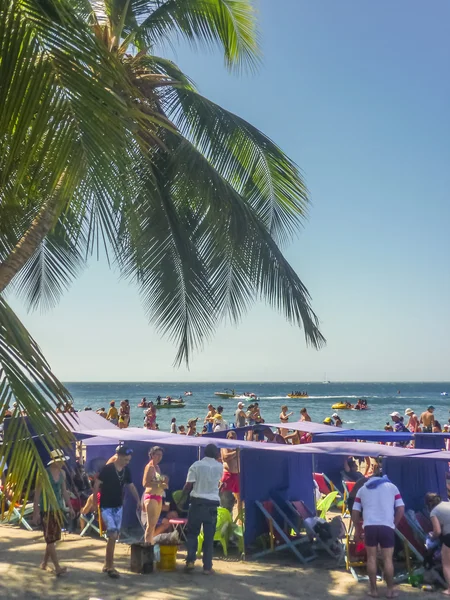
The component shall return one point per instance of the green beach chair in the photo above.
(223, 531)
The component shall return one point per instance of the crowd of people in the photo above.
(216, 475)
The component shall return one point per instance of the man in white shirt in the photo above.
(202, 482)
(378, 508)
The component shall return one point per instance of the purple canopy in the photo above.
(85, 421)
(337, 448)
(307, 426)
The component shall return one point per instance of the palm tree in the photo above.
(112, 145)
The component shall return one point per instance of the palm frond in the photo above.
(229, 24)
(252, 163)
(26, 379)
(57, 262)
(163, 259)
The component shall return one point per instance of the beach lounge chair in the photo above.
(15, 515)
(355, 557)
(415, 550)
(223, 531)
(348, 487)
(325, 484)
(334, 546)
(279, 537)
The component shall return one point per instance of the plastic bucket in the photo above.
(168, 558)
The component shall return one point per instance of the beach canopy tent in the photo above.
(268, 469)
(265, 468)
(80, 424)
(240, 432)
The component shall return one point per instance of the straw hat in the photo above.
(57, 456)
(409, 412)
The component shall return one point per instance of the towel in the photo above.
(375, 482)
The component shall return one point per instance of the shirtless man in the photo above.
(304, 415)
(427, 420)
(230, 480)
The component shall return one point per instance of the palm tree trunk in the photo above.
(29, 243)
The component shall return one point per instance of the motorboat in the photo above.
(188, 393)
(172, 404)
(225, 394)
(444, 394)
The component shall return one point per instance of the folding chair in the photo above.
(17, 513)
(355, 557)
(92, 521)
(325, 484)
(414, 546)
(348, 487)
(303, 513)
(279, 539)
(179, 524)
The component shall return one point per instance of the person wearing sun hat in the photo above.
(427, 420)
(413, 423)
(44, 508)
(337, 420)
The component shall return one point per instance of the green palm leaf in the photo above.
(26, 378)
(229, 24)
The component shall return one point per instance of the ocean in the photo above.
(382, 398)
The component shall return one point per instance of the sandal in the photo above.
(112, 573)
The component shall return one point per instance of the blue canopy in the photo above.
(364, 434)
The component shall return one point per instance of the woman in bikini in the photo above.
(154, 485)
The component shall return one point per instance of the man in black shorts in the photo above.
(111, 482)
(382, 506)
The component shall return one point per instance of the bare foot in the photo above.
(392, 594)
(60, 571)
(372, 593)
(43, 566)
(446, 592)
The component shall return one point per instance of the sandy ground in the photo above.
(281, 579)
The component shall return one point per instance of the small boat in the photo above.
(342, 406)
(173, 404)
(444, 394)
(225, 394)
(188, 393)
(297, 396)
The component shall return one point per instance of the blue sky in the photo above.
(358, 94)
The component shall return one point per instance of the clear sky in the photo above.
(358, 94)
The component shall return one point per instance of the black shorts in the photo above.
(379, 535)
(445, 539)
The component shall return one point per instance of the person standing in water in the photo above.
(240, 415)
(304, 415)
(284, 418)
(52, 518)
(427, 420)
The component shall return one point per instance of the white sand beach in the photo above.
(21, 552)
